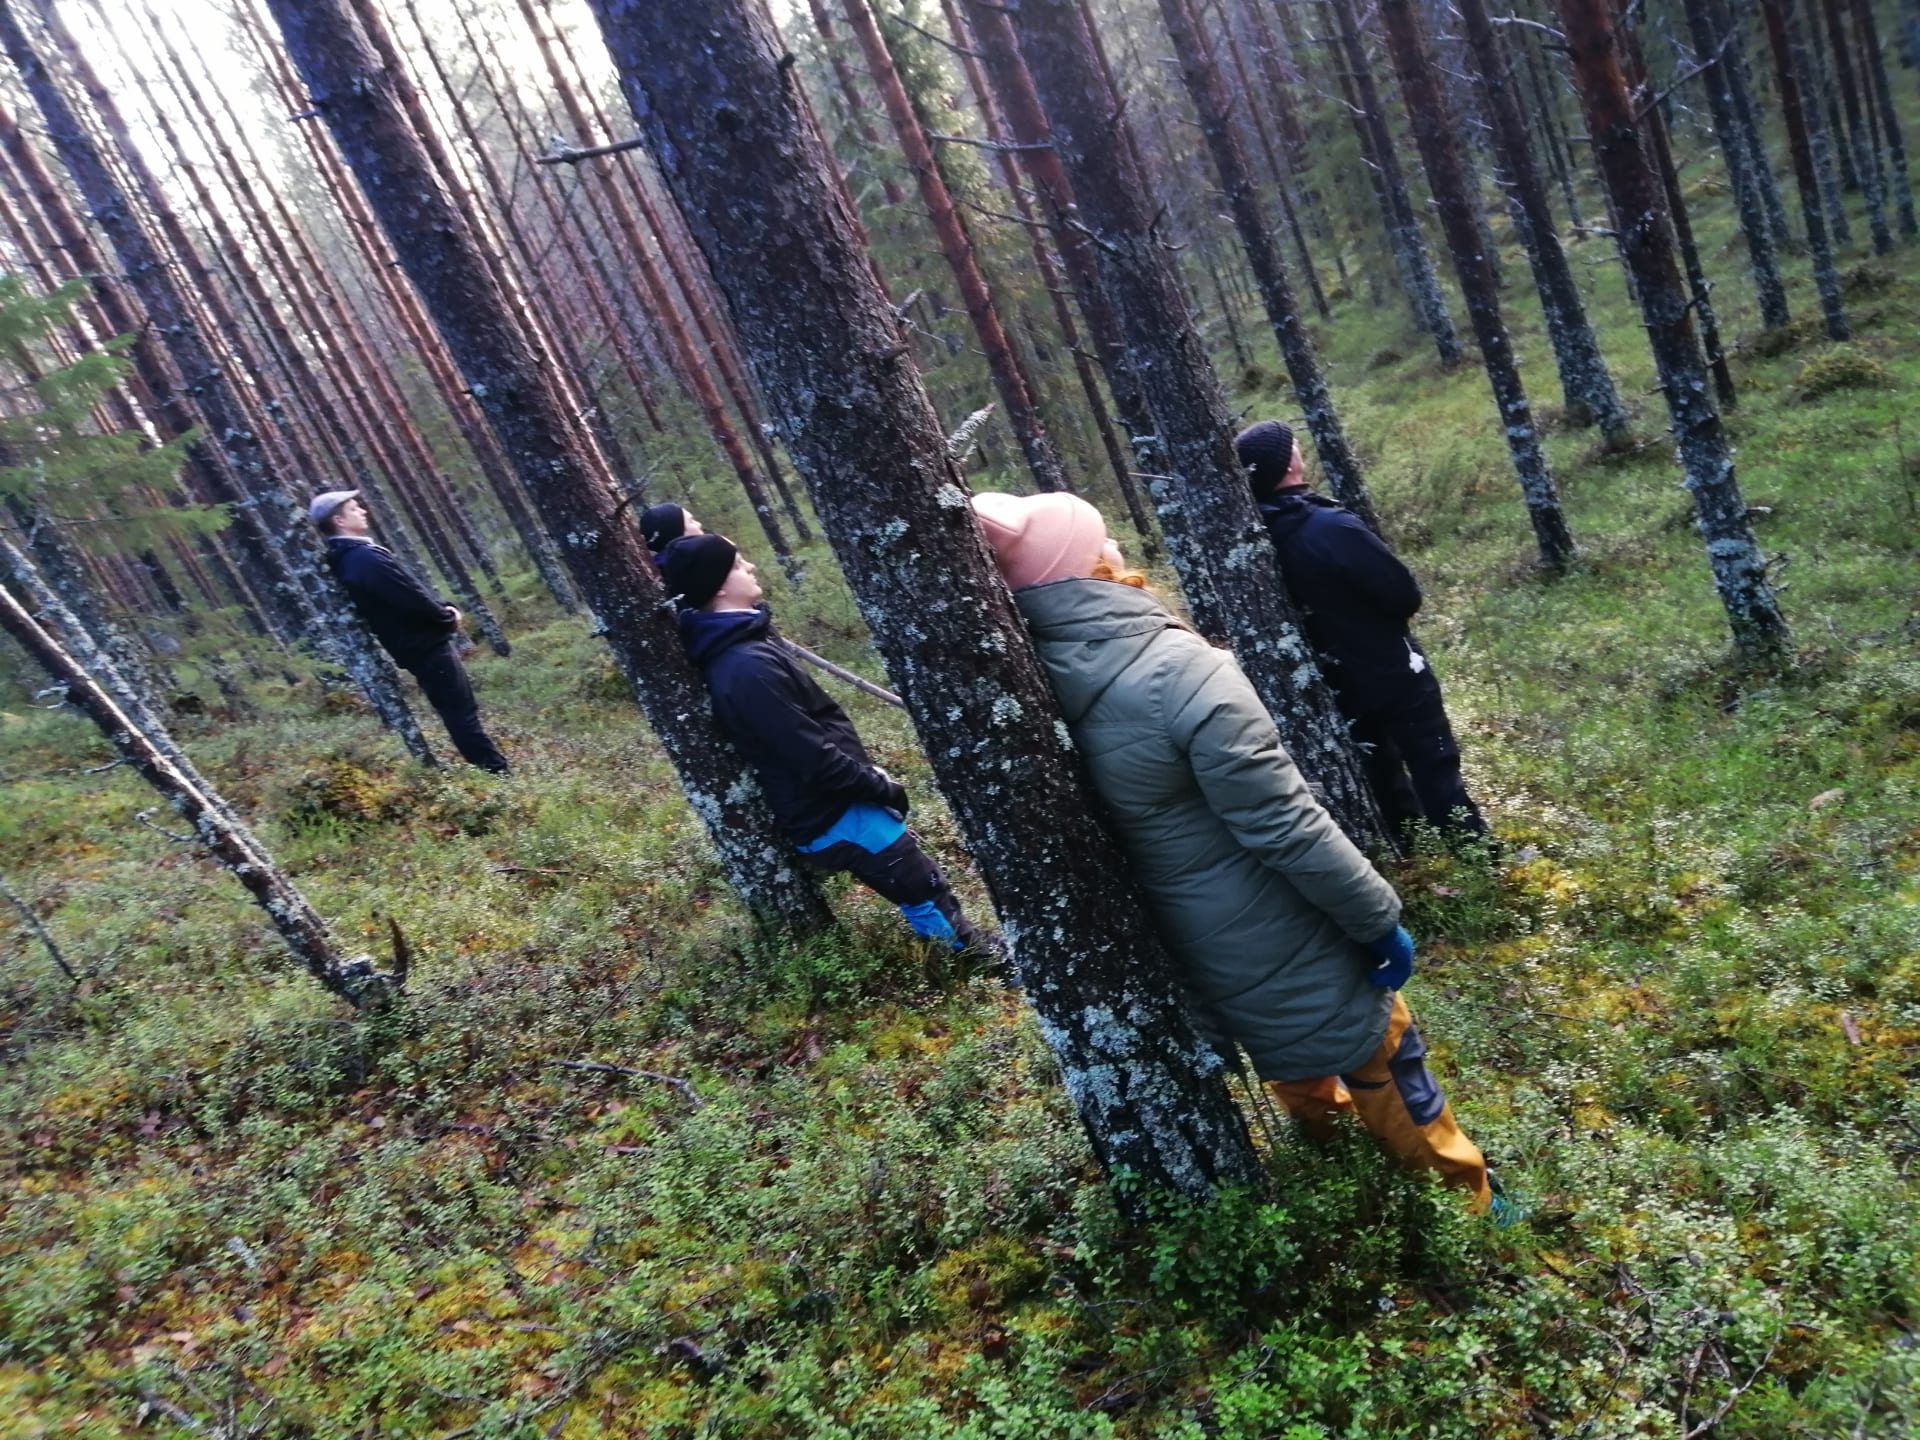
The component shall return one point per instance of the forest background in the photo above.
(622, 1162)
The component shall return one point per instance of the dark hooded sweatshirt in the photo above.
(804, 748)
(408, 621)
(1354, 595)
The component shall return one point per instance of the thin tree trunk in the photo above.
(323, 612)
(1711, 48)
(855, 107)
(1740, 81)
(1873, 61)
(1585, 380)
(1434, 132)
(1660, 152)
(1806, 176)
(831, 358)
(1016, 397)
(299, 924)
(1866, 162)
(1049, 272)
(567, 479)
(1403, 227)
(1209, 94)
(1706, 458)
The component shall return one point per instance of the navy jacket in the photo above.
(403, 617)
(1355, 597)
(804, 748)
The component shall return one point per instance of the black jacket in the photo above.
(808, 755)
(403, 617)
(1355, 597)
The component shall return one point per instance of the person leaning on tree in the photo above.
(1284, 938)
(661, 525)
(842, 811)
(417, 629)
(1356, 597)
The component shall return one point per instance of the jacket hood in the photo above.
(1088, 633)
(1288, 511)
(707, 633)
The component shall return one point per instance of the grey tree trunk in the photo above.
(1740, 82)
(1866, 160)
(1706, 459)
(1434, 132)
(1874, 61)
(299, 924)
(1787, 71)
(1711, 47)
(1214, 536)
(565, 477)
(1403, 226)
(1215, 108)
(739, 151)
(1585, 380)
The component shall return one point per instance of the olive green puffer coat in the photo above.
(1261, 899)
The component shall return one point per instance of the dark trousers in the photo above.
(444, 681)
(1413, 763)
(904, 874)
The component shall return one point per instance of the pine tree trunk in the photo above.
(1826, 276)
(1874, 62)
(856, 108)
(1660, 152)
(1016, 396)
(1434, 132)
(566, 478)
(1740, 82)
(298, 923)
(1403, 227)
(729, 127)
(309, 597)
(1007, 72)
(1585, 381)
(1049, 271)
(1209, 94)
(1711, 47)
(1214, 536)
(1866, 162)
(1706, 458)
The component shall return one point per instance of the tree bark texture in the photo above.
(1706, 458)
(1434, 133)
(1711, 47)
(298, 923)
(1787, 71)
(1214, 536)
(1211, 101)
(1009, 380)
(737, 148)
(1880, 93)
(1866, 159)
(1585, 381)
(566, 479)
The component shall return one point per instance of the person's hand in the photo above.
(897, 800)
(1393, 954)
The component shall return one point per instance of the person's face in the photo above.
(352, 518)
(741, 591)
(691, 525)
(1110, 552)
(1297, 467)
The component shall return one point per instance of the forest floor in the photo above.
(1680, 1013)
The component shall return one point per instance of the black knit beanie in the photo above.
(1266, 450)
(662, 525)
(696, 566)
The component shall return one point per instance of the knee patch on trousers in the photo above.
(1419, 1091)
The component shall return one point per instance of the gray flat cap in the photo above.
(320, 509)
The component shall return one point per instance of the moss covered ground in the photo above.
(1681, 1011)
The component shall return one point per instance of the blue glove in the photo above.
(1394, 952)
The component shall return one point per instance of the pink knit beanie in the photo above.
(1037, 538)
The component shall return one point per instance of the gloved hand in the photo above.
(896, 800)
(1394, 952)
